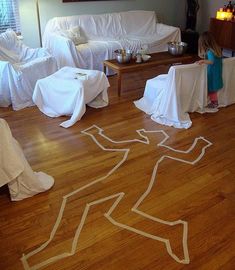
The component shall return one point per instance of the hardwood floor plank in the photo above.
(202, 194)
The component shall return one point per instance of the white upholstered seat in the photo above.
(168, 98)
(20, 68)
(16, 171)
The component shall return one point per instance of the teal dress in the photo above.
(214, 72)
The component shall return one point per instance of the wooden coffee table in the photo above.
(157, 59)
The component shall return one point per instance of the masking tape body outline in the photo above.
(119, 196)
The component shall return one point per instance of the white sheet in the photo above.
(227, 95)
(138, 23)
(170, 97)
(106, 33)
(15, 170)
(5, 95)
(110, 25)
(92, 54)
(62, 94)
(20, 68)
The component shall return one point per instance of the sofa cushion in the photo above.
(138, 23)
(92, 26)
(110, 25)
(101, 26)
(74, 34)
(92, 54)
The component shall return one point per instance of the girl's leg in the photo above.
(213, 99)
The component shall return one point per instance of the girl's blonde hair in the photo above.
(207, 42)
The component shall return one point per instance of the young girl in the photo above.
(211, 52)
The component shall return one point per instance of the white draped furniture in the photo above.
(168, 98)
(20, 68)
(85, 41)
(69, 90)
(15, 170)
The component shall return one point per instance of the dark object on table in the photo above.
(191, 38)
(191, 19)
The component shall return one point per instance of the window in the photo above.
(9, 15)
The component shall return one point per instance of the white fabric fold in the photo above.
(169, 98)
(65, 93)
(15, 170)
(227, 95)
(20, 68)
(105, 34)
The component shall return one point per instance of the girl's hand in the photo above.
(200, 62)
(204, 61)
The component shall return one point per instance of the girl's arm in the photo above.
(210, 58)
(204, 61)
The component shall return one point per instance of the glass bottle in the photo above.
(229, 7)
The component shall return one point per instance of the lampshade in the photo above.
(224, 15)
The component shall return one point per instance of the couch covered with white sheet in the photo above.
(85, 41)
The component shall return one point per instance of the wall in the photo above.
(168, 11)
(208, 9)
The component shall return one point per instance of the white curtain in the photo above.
(9, 15)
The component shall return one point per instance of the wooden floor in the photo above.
(202, 194)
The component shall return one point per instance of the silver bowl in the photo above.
(177, 48)
(123, 56)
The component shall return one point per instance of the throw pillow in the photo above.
(74, 34)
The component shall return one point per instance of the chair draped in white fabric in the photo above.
(15, 170)
(20, 68)
(168, 98)
(227, 95)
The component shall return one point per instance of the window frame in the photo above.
(9, 16)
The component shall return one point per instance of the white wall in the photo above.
(171, 11)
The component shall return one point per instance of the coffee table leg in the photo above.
(105, 69)
(119, 80)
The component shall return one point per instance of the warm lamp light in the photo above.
(224, 15)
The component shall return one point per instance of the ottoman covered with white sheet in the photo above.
(68, 91)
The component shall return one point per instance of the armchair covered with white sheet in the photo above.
(169, 97)
(15, 170)
(20, 68)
